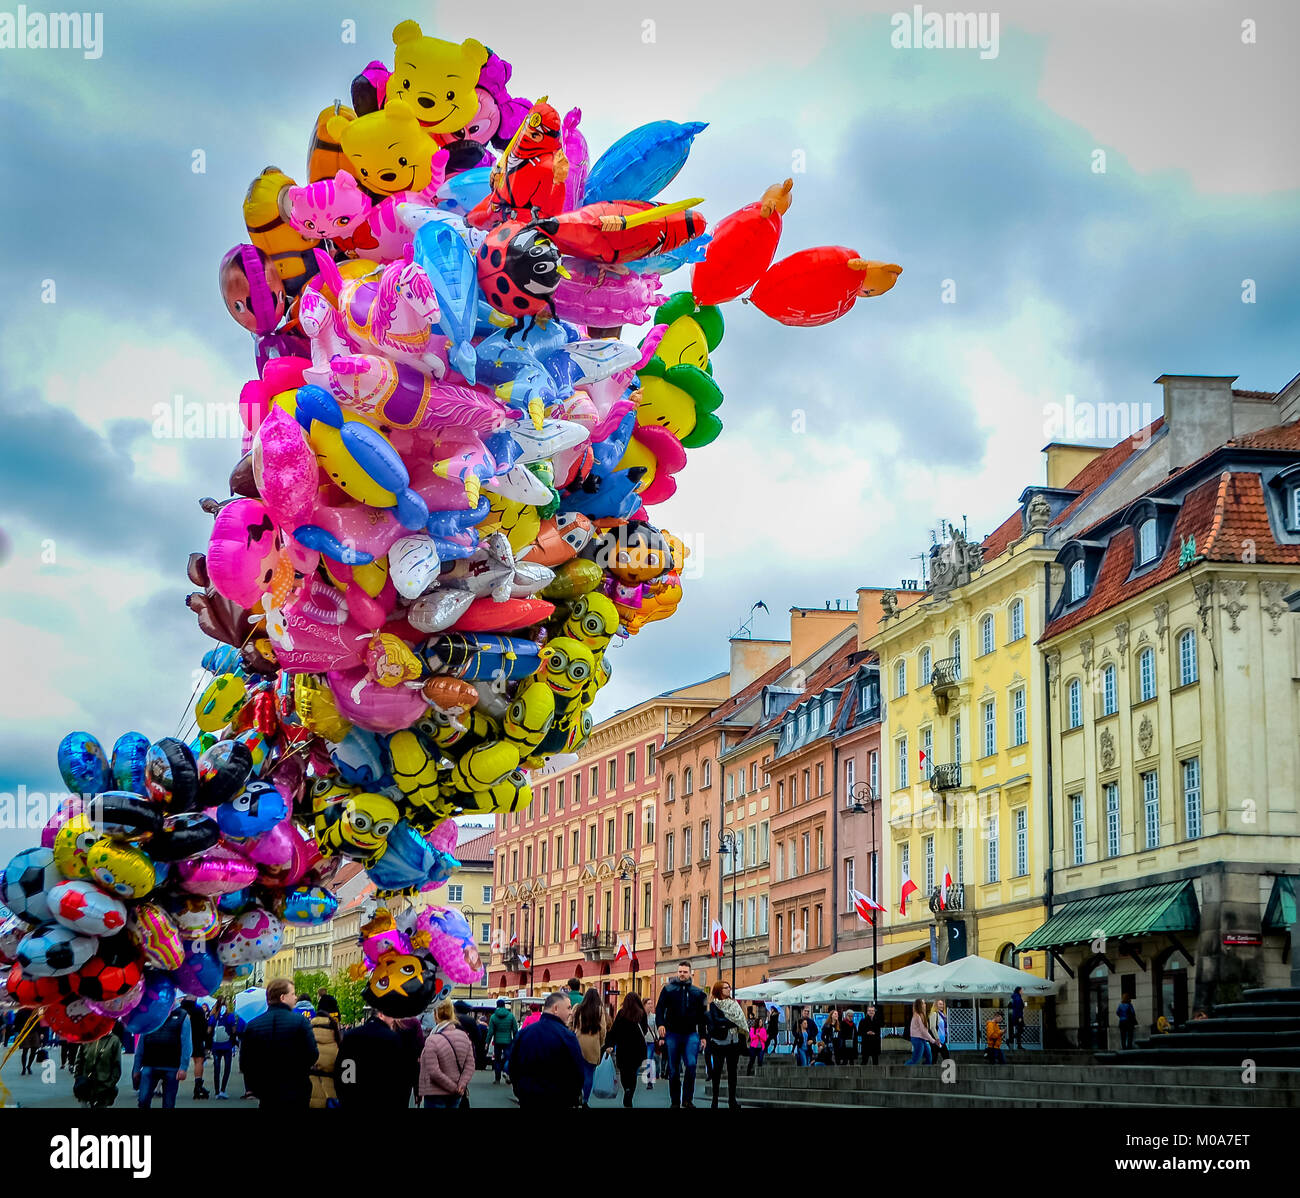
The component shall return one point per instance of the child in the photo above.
(993, 1033)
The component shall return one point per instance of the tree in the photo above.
(309, 983)
(350, 993)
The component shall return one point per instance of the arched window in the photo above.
(1109, 692)
(706, 773)
(687, 781)
(1075, 692)
(1147, 674)
(986, 635)
(1076, 581)
(670, 788)
(925, 667)
(900, 679)
(954, 651)
(1017, 620)
(1187, 672)
(1146, 541)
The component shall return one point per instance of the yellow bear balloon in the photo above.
(389, 148)
(436, 78)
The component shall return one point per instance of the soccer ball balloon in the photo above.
(27, 878)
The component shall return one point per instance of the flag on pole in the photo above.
(623, 950)
(943, 891)
(717, 939)
(864, 906)
(573, 931)
(514, 940)
(909, 887)
(921, 760)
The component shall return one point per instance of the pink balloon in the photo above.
(579, 156)
(66, 809)
(285, 469)
(124, 1004)
(444, 836)
(220, 870)
(592, 297)
(373, 707)
(318, 633)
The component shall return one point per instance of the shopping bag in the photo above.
(605, 1083)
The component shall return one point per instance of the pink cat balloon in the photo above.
(374, 707)
(592, 296)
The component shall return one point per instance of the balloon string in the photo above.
(13, 1048)
(194, 719)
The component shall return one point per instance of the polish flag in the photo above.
(623, 950)
(573, 931)
(943, 890)
(864, 906)
(921, 759)
(514, 940)
(717, 939)
(909, 887)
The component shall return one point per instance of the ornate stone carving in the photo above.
(1121, 635)
(1106, 749)
(1145, 733)
(1204, 603)
(1039, 513)
(1232, 589)
(1271, 602)
(1053, 669)
(1085, 647)
(888, 605)
(953, 562)
(1161, 611)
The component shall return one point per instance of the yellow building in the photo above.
(469, 891)
(1175, 763)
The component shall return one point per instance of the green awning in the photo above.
(1170, 907)
(1281, 911)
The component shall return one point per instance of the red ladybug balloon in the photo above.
(742, 248)
(819, 285)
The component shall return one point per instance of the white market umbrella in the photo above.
(840, 990)
(978, 977)
(763, 990)
(901, 983)
(249, 1004)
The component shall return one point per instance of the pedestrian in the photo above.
(446, 1061)
(806, 1038)
(28, 1030)
(198, 1044)
(484, 1040)
(411, 1032)
(870, 1028)
(223, 1038)
(757, 1043)
(466, 1022)
(627, 1039)
(67, 1054)
(848, 1048)
(328, 1035)
(1163, 1025)
(825, 1051)
(375, 1071)
(576, 994)
(1198, 1015)
(98, 1070)
(590, 1023)
(1017, 1018)
(728, 1034)
(773, 1029)
(831, 1034)
(921, 1036)
(680, 1021)
(993, 1036)
(161, 1057)
(277, 1051)
(546, 1063)
(502, 1029)
(651, 1050)
(938, 1025)
(1127, 1015)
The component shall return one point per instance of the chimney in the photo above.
(1064, 461)
(1198, 415)
(750, 658)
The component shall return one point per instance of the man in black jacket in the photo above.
(870, 1027)
(680, 1018)
(546, 1065)
(376, 1070)
(277, 1051)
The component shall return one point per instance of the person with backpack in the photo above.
(590, 1024)
(502, 1030)
(98, 1070)
(223, 1038)
(161, 1056)
(628, 1037)
(728, 1034)
(446, 1061)
(329, 1039)
(1017, 1035)
(1127, 1015)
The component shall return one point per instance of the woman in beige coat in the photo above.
(590, 1022)
(325, 1029)
(446, 1061)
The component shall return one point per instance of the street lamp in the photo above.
(470, 915)
(860, 799)
(727, 848)
(627, 873)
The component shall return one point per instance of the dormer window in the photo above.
(1076, 581)
(1146, 541)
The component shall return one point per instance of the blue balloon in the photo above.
(406, 861)
(642, 163)
(199, 974)
(254, 810)
(224, 659)
(465, 190)
(128, 762)
(683, 255)
(153, 1009)
(234, 902)
(360, 760)
(307, 905)
(83, 764)
(443, 255)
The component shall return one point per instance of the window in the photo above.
(595, 781)
(814, 718)
(780, 796)
(688, 781)
(927, 753)
(821, 848)
(611, 773)
(1151, 807)
(875, 876)
(1192, 796)
(559, 852)
(1022, 841)
(1146, 541)
(794, 861)
(686, 921)
(514, 866)
(807, 852)
(1147, 674)
(780, 861)
(802, 723)
(926, 667)
(954, 651)
(807, 785)
(670, 789)
(629, 829)
(1186, 657)
(849, 884)
(1076, 581)
(762, 915)
(821, 778)
(1109, 693)
(990, 728)
(1076, 824)
(455, 894)
(1075, 706)
(650, 761)
(706, 773)
(873, 771)
(991, 859)
(900, 679)
(1111, 791)
(850, 774)
(819, 923)
(668, 925)
(740, 782)
(645, 905)
(577, 790)
(649, 824)
(961, 856)
(546, 800)
(986, 635)
(929, 866)
(704, 917)
(487, 894)
(609, 835)
(900, 762)
(631, 769)
(731, 787)
(904, 862)
(706, 839)
(763, 844)
(686, 845)
(738, 861)
(866, 697)
(753, 844)
(780, 933)
(668, 851)
(1017, 620)
(753, 775)
(956, 739)
(544, 845)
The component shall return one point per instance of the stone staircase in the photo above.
(1025, 1082)
(1264, 1027)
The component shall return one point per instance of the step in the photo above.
(950, 1102)
(1252, 1010)
(1271, 994)
(1119, 1074)
(1243, 1041)
(1175, 1057)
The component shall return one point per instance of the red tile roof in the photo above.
(841, 664)
(728, 707)
(474, 846)
(1280, 436)
(1002, 537)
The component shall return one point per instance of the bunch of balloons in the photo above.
(438, 528)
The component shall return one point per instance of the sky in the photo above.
(1075, 214)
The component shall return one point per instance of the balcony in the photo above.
(516, 958)
(598, 946)
(956, 898)
(945, 675)
(946, 777)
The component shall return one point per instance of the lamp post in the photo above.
(727, 848)
(861, 797)
(470, 915)
(627, 873)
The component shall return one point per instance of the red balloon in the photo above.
(742, 248)
(816, 286)
(80, 1029)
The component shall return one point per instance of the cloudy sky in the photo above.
(1093, 197)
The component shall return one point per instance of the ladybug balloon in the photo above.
(519, 269)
